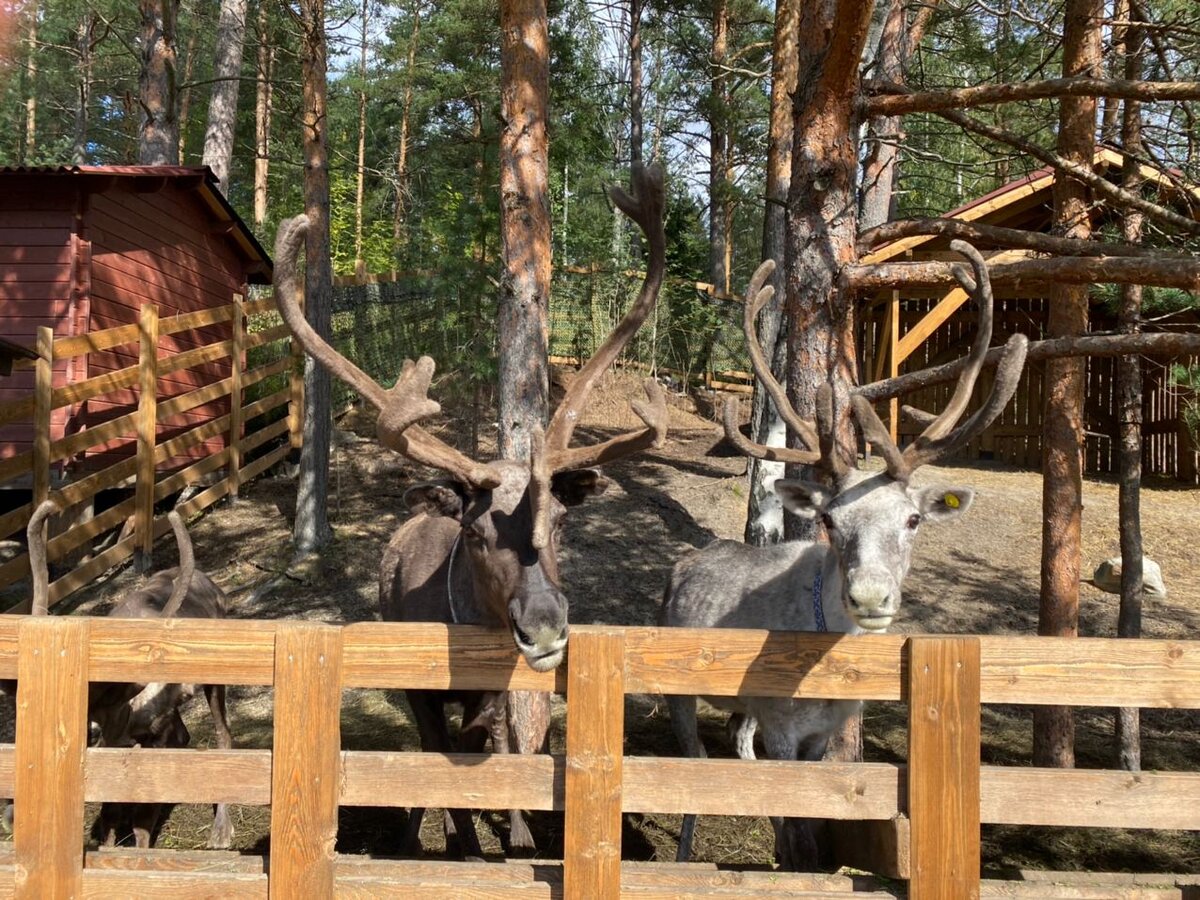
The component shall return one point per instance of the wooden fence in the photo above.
(143, 470)
(943, 791)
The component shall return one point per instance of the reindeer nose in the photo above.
(871, 595)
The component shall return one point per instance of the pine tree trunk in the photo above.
(884, 132)
(524, 223)
(185, 96)
(222, 107)
(312, 525)
(764, 514)
(1062, 421)
(31, 86)
(400, 223)
(718, 143)
(360, 266)
(158, 134)
(83, 46)
(1129, 411)
(262, 114)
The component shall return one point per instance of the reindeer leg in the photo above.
(796, 847)
(687, 732)
(429, 713)
(221, 836)
(513, 732)
(479, 719)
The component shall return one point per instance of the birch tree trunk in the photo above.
(360, 266)
(264, 64)
(718, 143)
(158, 132)
(764, 514)
(222, 106)
(311, 529)
(1062, 421)
(1129, 407)
(31, 86)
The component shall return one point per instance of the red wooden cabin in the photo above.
(83, 248)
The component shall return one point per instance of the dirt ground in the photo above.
(979, 576)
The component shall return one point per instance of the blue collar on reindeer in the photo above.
(818, 606)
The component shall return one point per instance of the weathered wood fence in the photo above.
(943, 791)
(144, 470)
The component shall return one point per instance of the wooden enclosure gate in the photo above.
(944, 790)
(142, 469)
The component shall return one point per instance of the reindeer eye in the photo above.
(827, 521)
(913, 521)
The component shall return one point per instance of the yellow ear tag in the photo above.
(951, 500)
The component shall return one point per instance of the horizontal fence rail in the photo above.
(943, 791)
(257, 354)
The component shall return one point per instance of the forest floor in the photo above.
(979, 576)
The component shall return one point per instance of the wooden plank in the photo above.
(1079, 797)
(197, 357)
(267, 336)
(238, 361)
(42, 401)
(147, 419)
(83, 575)
(1091, 671)
(132, 859)
(182, 650)
(264, 405)
(943, 773)
(64, 543)
(254, 376)
(267, 460)
(16, 410)
(51, 737)
(80, 345)
(919, 333)
(189, 321)
(305, 772)
(164, 775)
(104, 884)
(452, 780)
(264, 304)
(72, 444)
(730, 662)
(441, 657)
(197, 470)
(181, 403)
(765, 787)
(15, 519)
(256, 439)
(78, 491)
(595, 739)
(94, 387)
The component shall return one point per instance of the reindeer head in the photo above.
(872, 519)
(509, 512)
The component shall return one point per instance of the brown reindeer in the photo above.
(145, 715)
(481, 547)
(850, 585)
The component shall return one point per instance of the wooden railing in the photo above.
(142, 469)
(944, 791)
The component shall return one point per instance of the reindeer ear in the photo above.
(941, 503)
(576, 485)
(436, 498)
(803, 498)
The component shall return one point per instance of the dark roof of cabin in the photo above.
(196, 178)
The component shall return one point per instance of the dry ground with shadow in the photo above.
(979, 576)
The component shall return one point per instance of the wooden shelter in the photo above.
(84, 249)
(902, 332)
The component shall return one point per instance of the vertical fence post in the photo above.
(943, 767)
(595, 737)
(306, 760)
(296, 387)
(43, 401)
(147, 426)
(234, 478)
(52, 691)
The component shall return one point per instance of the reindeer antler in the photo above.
(819, 437)
(552, 452)
(940, 437)
(187, 565)
(39, 568)
(400, 407)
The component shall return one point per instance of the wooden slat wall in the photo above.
(1015, 437)
(188, 442)
(305, 777)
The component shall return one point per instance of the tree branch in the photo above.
(896, 100)
(1161, 344)
(994, 235)
(1182, 273)
(1098, 183)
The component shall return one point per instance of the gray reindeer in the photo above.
(852, 584)
(145, 715)
(482, 546)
